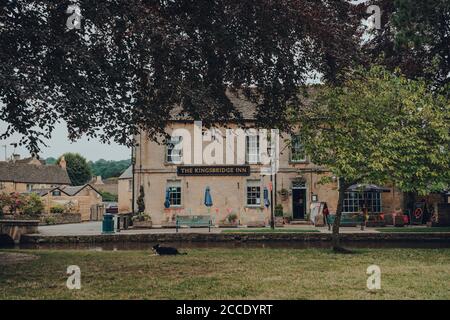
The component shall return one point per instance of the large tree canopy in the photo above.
(379, 127)
(415, 36)
(132, 61)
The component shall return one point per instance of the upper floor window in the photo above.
(130, 185)
(252, 149)
(253, 192)
(30, 187)
(297, 150)
(2, 186)
(174, 155)
(56, 193)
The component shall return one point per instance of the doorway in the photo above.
(299, 203)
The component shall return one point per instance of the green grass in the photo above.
(415, 229)
(268, 230)
(234, 273)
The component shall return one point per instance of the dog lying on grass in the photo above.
(165, 251)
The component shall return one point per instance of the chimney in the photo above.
(99, 180)
(63, 163)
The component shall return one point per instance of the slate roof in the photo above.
(19, 172)
(127, 174)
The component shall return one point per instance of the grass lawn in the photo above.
(234, 273)
(415, 229)
(268, 230)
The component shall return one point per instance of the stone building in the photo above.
(125, 187)
(173, 188)
(22, 175)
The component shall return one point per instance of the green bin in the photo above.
(108, 223)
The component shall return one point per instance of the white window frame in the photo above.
(252, 146)
(170, 155)
(175, 184)
(293, 140)
(252, 183)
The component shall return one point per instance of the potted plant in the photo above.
(284, 193)
(231, 221)
(142, 220)
(279, 215)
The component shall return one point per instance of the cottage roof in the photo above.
(127, 174)
(20, 172)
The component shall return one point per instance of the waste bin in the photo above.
(108, 223)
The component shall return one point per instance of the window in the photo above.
(252, 148)
(297, 150)
(56, 193)
(174, 193)
(2, 186)
(172, 154)
(30, 187)
(130, 185)
(354, 202)
(253, 193)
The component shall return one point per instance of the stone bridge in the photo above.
(12, 230)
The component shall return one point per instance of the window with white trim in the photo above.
(252, 149)
(253, 193)
(354, 202)
(172, 154)
(297, 150)
(174, 188)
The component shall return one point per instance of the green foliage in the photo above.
(50, 220)
(378, 128)
(142, 217)
(108, 197)
(57, 209)
(232, 218)
(33, 205)
(50, 160)
(141, 200)
(77, 168)
(109, 169)
(278, 210)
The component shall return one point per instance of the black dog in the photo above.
(165, 250)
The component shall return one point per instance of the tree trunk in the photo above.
(337, 221)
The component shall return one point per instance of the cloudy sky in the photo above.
(90, 149)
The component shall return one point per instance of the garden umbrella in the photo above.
(208, 198)
(363, 187)
(167, 201)
(266, 198)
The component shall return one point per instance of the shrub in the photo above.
(33, 205)
(57, 209)
(142, 217)
(232, 218)
(50, 220)
(278, 210)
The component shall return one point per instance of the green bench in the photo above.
(194, 221)
(347, 220)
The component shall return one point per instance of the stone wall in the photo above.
(59, 218)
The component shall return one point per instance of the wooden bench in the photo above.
(194, 221)
(347, 220)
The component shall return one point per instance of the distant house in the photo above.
(83, 198)
(125, 191)
(108, 185)
(24, 175)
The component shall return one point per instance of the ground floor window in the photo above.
(174, 188)
(354, 202)
(253, 192)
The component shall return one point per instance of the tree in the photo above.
(415, 37)
(133, 62)
(77, 168)
(141, 200)
(379, 128)
(109, 169)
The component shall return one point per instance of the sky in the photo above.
(91, 149)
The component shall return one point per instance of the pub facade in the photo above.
(238, 188)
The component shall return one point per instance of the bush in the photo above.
(109, 197)
(33, 205)
(232, 218)
(142, 217)
(278, 210)
(50, 220)
(57, 209)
